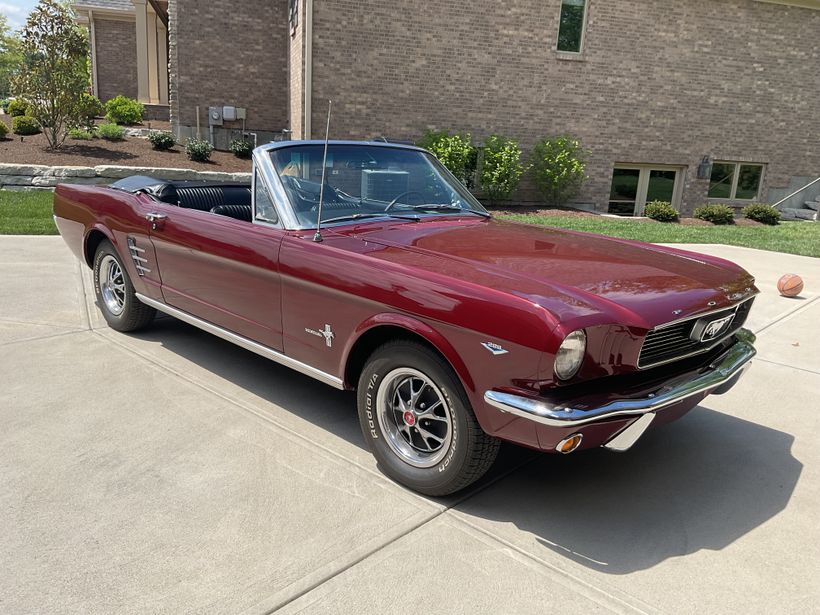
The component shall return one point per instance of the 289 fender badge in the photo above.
(494, 348)
(326, 333)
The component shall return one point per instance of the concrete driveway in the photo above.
(170, 472)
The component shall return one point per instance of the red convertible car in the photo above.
(457, 330)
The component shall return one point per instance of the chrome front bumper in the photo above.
(720, 376)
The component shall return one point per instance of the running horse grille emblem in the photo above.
(709, 330)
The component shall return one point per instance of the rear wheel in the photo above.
(115, 294)
(418, 420)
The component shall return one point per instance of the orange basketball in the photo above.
(790, 285)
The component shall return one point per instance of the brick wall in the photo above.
(225, 53)
(116, 47)
(658, 82)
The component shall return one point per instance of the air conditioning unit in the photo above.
(384, 185)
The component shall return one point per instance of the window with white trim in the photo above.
(571, 26)
(735, 180)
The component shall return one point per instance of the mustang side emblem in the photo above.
(494, 348)
(326, 333)
(705, 330)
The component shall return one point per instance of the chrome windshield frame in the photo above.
(262, 161)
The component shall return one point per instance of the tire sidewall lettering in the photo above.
(369, 403)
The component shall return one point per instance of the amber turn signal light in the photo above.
(567, 445)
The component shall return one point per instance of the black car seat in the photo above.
(240, 212)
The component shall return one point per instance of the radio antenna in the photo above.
(318, 236)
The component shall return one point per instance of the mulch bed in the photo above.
(574, 213)
(132, 152)
(540, 211)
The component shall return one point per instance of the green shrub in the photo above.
(4, 130)
(124, 110)
(111, 132)
(241, 148)
(662, 211)
(17, 107)
(198, 150)
(716, 214)
(558, 168)
(81, 134)
(501, 168)
(761, 212)
(4, 104)
(455, 152)
(25, 125)
(162, 139)
(88, 109)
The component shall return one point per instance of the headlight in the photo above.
(570, 354)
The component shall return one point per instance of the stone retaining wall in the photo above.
(43, 177)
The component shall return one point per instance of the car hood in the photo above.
(570, 273)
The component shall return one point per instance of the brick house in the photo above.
(650, 87)
(129, 50)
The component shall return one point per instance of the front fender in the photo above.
(417, 327)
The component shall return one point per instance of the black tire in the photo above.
(469, 452)
(121, 309)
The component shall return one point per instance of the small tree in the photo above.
(501, 168)
(54, 74)
(455, 152)
(10, 56)
(558, 168)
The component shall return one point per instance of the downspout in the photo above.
(308, 67)
(92, 35)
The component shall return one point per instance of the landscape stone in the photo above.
(16, 180)
(53, 180)
(69, 172)
(7, 168)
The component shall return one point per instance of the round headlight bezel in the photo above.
(570, 355)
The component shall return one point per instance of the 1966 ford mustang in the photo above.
(457, 330)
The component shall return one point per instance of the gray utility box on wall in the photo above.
(215, 116)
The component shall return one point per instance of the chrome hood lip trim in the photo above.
(726, 367)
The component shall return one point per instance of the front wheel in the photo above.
(418, 421)
(115, 294)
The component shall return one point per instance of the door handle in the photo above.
(156, 220)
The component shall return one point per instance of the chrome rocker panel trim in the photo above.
(244, 342)
(726, 368)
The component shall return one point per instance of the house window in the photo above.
(571, 28)
(633, 186)
(735, 180)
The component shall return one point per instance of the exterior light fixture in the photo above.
(705, 168)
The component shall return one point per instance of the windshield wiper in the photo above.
(444, 207)
(361, 216)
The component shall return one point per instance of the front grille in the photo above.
(673, 341)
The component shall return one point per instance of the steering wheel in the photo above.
(394, 201)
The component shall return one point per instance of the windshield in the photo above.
(369, 181)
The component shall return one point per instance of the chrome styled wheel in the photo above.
(418, 422)
(112, 285)
(115, 293)
(414, 417)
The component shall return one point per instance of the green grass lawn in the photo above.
(26, 213)
(791, 237)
